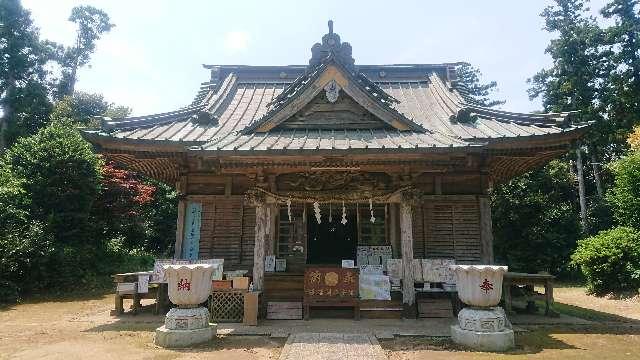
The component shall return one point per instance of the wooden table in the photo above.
(157, 291)
(452, 295)
(512, 278)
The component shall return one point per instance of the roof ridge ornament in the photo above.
(332, 91)
(331, 47)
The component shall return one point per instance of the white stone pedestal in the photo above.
(484, 329)
(183, 338)
(485, 341)
(184, 327)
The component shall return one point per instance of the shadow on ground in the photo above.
(72, 296)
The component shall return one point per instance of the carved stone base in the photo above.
(485, 341)
(483, 319)
(183, 338)
(187, 319)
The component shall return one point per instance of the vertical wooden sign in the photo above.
(191, 242)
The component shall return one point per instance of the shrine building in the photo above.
(310, 162)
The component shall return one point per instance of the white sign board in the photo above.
(270, 263)
(374, 287)
(437, 270)
(348, 264)
(371, 269)
(394, 268)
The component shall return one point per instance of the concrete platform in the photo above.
(379, 328)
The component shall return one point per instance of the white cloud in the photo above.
(236, 41)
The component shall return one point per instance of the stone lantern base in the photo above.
(184, 327)
(484, 329)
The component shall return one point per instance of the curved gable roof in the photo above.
(240, 107)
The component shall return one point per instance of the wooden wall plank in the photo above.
(448, 228)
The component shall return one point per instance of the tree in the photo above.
(23, 87)
(61, 174)
(139, 211)
(534, 221)
(83, 108)
(621, 96)
(476, 92)
(624, 196)
(572, 83)
(91, 24)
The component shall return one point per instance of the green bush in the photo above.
(610, 260)
(25, 259)
(624, 197)
(59, 171)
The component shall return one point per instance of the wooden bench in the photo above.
(512, 278)
(127, 288)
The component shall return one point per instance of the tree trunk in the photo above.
(7, 108)
(486, 231)
(581, 190)
(596, 174)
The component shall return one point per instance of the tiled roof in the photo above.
(241, 95)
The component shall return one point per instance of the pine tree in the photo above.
(572, 84)
(91, 24)
(478, 93)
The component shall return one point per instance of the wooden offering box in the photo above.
(335, 287)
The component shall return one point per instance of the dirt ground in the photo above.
(616, 334)
(85, 329)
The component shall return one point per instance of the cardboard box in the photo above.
(241, 283)
(221, 284)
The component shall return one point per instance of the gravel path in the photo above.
(331, 346)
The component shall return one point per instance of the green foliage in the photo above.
(160, 216)
(83, 108)
(610, 260)
(622, 83)
(25, 257)
(62, 175)
(571, 83)
(23, 88)
(535, 221)
(624, 197)
(476, 92)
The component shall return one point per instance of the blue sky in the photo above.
(152, 60)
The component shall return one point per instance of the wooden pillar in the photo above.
(262, 225)
(394, 238)
(181, 187)
(406, 241)
(486, 230)
(271, 239)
